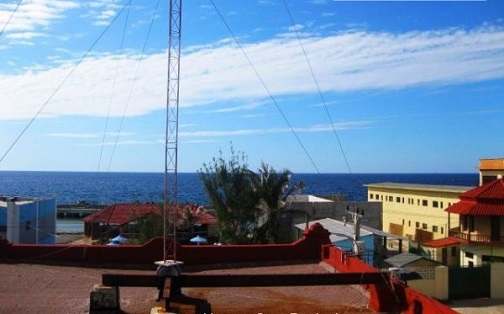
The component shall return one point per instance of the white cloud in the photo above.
(33, 15)
(348, 61)
(248, 132)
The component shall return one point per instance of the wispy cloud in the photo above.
(87, 135)
(32, 17)
(349, 61)
(74, 135)
(269, 131)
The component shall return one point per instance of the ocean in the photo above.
(118, 187)
(115, 187)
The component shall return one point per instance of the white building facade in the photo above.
(28, 220)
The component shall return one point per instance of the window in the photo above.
(434, 228)
(403, 222)
(371, 196)
(417, 224)
(425, 203)
(442, 206)
(391, 199)
(435, 204)
(469, 255)
(453, 251)
(398, 199)
(409, 223)
(442, 230)
(424, 226)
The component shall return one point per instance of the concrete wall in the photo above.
(336, 210)
(436, 287)
(437, 254)
(497, 281)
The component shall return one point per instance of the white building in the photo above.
(28, 220)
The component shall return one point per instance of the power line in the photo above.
(112, 92)
(10, 17)
(41, 109)
(133, 82)
(318, 86)
(265, 87)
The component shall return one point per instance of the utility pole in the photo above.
(358, 246)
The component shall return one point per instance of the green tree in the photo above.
(149, 227)
(231, 190)
(189, 217)
(274, 188)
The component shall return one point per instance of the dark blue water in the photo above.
(109, 188)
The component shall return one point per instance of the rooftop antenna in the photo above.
(171, 266)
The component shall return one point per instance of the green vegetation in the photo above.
(247, 204)
(148, 227)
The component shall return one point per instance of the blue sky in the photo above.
(409, 86)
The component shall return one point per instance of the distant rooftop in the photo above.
(335, 226)
(18, 200)
(491, 164)
(421, 187)
(307, 198)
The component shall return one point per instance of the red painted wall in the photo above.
(314, 245)
(145, 255)
(391, 297)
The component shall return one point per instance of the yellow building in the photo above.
(416, 211)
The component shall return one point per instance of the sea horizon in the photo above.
(102, 188)
(106, 188)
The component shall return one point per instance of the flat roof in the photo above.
(308, 198)
(421, 187)
(53, 289)
(337, 226)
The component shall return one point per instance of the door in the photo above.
(444, 256)
(495, 228)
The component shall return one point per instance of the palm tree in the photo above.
(273, 188)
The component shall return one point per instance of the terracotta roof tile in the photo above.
(442, 242)
(485, 200)
(120, 214)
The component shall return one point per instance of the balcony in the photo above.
(480, 239)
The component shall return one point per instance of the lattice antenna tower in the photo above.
(171, 135)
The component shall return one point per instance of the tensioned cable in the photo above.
(318, 86)
(133, 82)
(112, 92)
(61, 84)
(265, 86)
(10, 18)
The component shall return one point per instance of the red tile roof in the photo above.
(120, 214)
(442, 242)
(485, 200)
